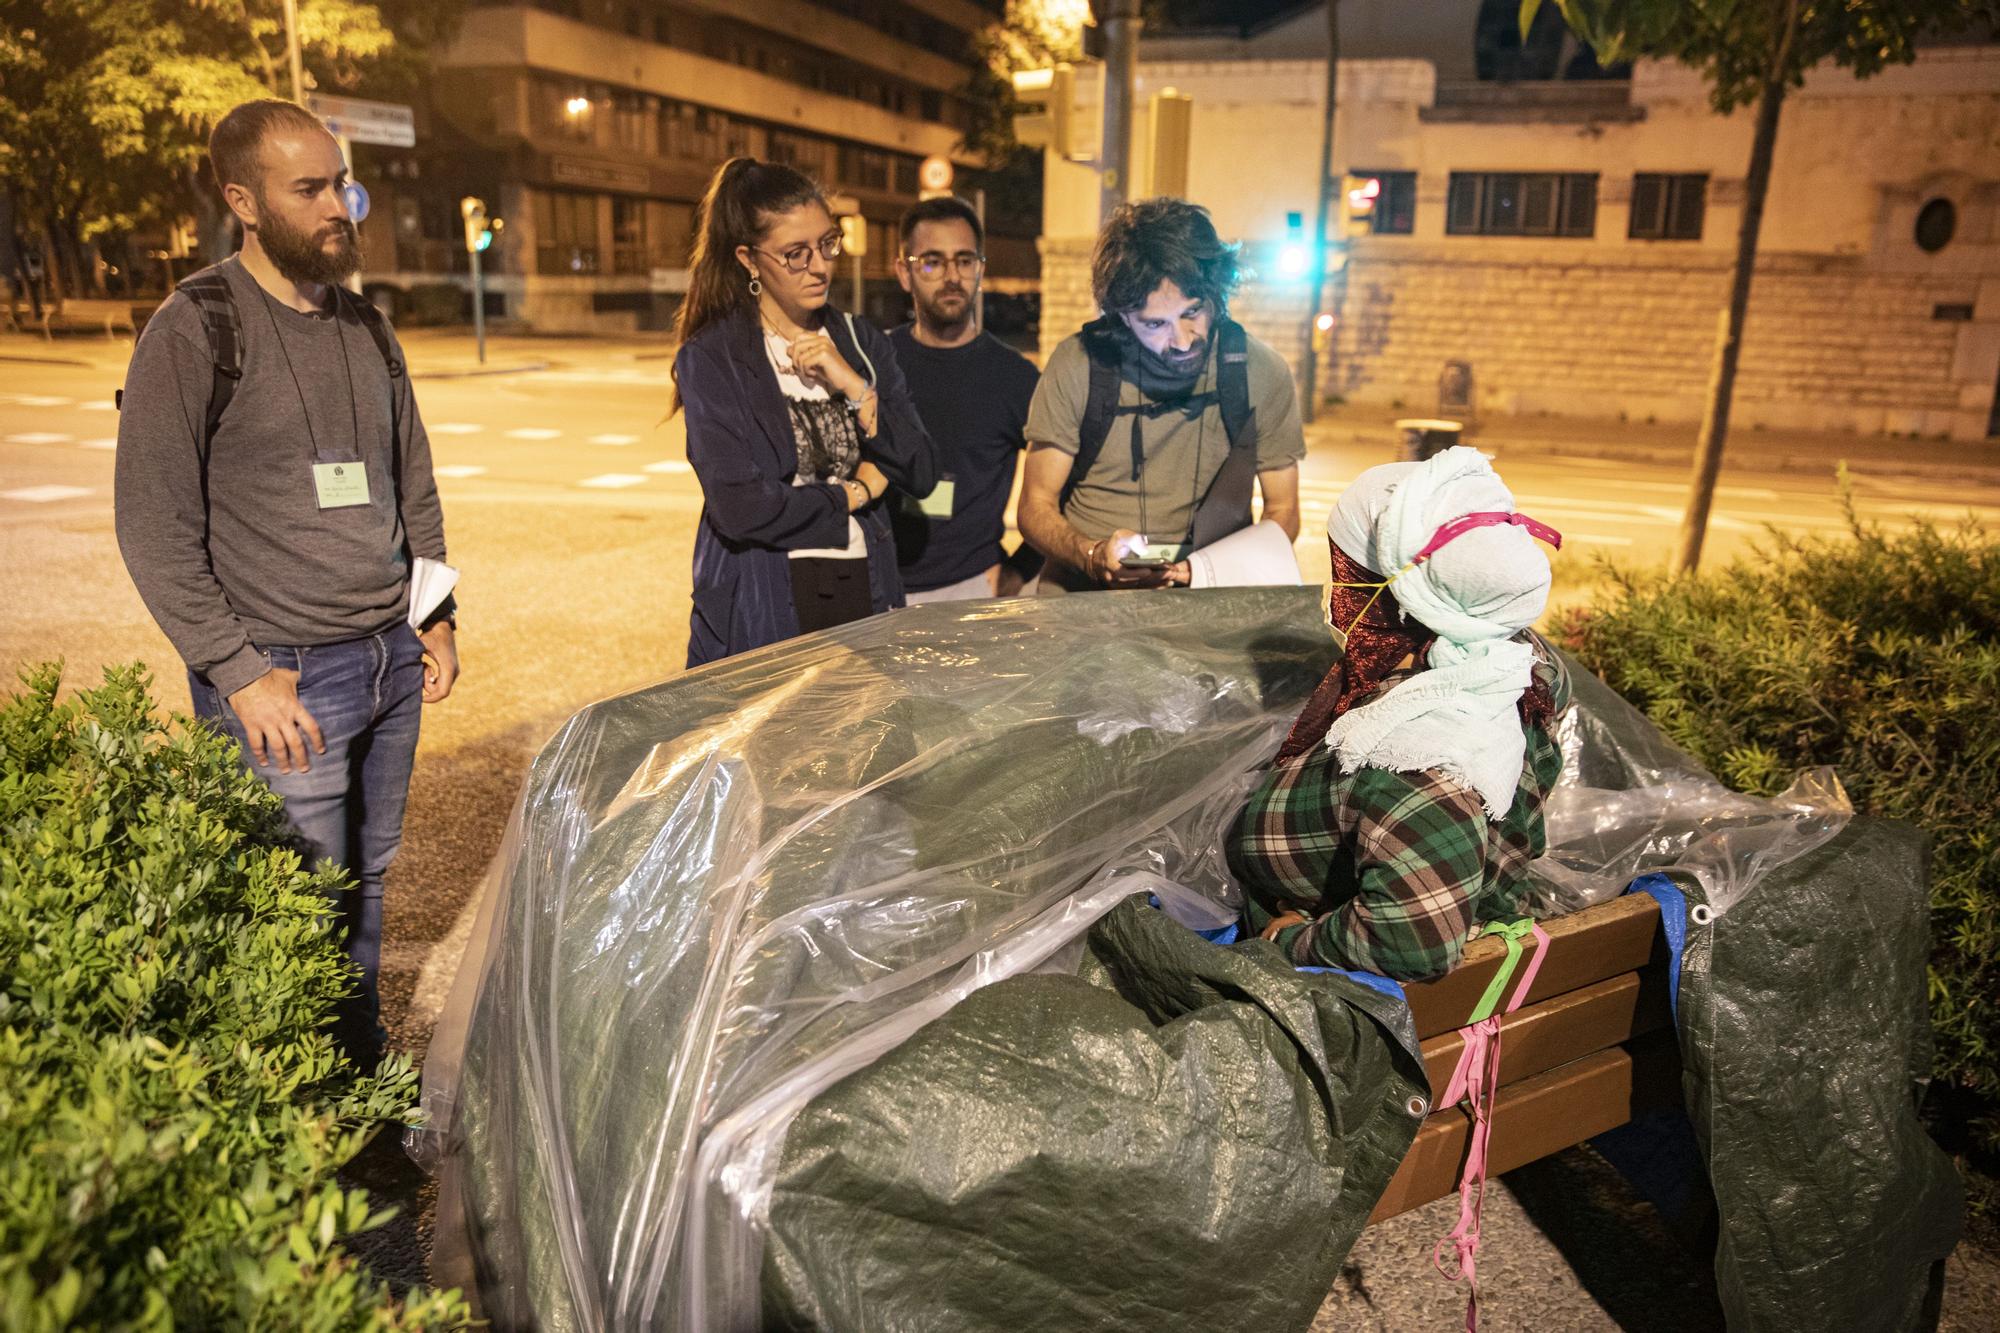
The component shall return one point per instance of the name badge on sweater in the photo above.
(341, 485)
(938, 503)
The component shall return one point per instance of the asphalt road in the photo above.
(570, 508)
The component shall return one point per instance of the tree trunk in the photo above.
(214, 224)
(1729, 343)
(1309, 396)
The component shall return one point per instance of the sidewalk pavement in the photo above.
(1370, 432)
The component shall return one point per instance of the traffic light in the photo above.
(479, 229)
(1294, 256)
(1358, 197)
(1051, 121)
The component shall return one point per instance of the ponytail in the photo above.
(736, 209)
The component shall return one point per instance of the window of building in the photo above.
(565, 233)
(1937, 220)
(629, 250)
(630, 116)
(864, 167)
(1519, 203)
(565, 109)
(1395, 212)
(1667, 208)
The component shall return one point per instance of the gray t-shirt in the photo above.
(1182, 453)
(225, 538)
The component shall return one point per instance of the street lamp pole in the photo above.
(1121, 22)
(292, 51)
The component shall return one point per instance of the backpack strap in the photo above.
(378, 329)
(209, 290)
(1232, 384)
(1100, 408)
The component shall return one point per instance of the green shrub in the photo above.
(172, 1110)
(1880, 656)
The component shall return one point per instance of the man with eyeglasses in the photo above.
(972, 392)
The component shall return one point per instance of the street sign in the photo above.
(934, 173)
(362, 121)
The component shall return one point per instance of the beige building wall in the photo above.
(1851, 325)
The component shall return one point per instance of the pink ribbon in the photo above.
(1476, 1080)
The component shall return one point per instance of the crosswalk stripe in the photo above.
(614, 439)
(39, 437)
(533, 433)
(37, 400)
(105, 442)
(669, 465)
(453, 428)
(613, 481)
(458, 470)
(39, 495)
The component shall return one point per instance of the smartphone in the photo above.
(1155, 555)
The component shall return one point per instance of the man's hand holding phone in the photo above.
(1126, 560)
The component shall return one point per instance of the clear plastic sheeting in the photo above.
(726, 892)
(1630, 802)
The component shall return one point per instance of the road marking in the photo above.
(453, 428)
(669, 465)
(533, 433)
(614, 439)
(38, 400)
(105, 406)
(107, 442)
(39, 437)
(41, 495)
(458, 470)
(613, 481)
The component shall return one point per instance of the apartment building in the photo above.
(592, 126)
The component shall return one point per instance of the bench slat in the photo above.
(1539, 1116)
(1568, 1027)
(1584, 947)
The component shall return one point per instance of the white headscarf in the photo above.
(1475, 593)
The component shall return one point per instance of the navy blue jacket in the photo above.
(739, 434)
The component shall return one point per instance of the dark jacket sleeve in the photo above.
(902, 448)
(746, 504)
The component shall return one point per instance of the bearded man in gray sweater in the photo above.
(273, 488)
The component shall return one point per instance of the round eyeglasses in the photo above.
(798, 257)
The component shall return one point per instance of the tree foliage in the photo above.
(105, 105)
(1739, 45)
(1034, 35)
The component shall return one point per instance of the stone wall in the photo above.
(1828, 344)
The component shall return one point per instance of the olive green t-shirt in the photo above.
(1183, 452)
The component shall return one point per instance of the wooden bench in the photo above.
(1591, 1048)
(83, 313)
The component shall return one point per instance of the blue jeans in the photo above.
(367, 696)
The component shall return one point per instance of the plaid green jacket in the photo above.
(1393, 870)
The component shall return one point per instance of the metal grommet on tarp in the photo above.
(1701, 914)
(1417, 1106)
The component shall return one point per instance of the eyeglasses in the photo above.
(931, 265)
(798, 257)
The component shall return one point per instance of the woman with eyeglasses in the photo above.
(797, 422)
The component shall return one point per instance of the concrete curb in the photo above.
(1982, 471)
(47, 361)
(520, 368)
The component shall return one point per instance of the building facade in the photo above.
(591, 127)
(1569, 240)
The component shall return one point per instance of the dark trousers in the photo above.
(826, 592)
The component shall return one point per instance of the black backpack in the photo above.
(223, 323)
(1226, 506)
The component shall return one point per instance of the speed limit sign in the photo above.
(934, 173)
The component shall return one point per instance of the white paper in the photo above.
(431, 581)
(1260, 555)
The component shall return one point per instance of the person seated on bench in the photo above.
(1402, 810)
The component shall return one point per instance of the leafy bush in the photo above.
(1880, 656)
(172, 1110)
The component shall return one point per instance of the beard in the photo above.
(939, 311)
(305, 257)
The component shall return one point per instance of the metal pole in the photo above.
(1309, 403)
(479, 306)
(859, 294)
(292, 51)
(1121, 23)
(979, 302)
